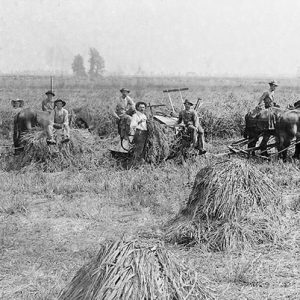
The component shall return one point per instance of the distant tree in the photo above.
(97, 64)
(78, 66)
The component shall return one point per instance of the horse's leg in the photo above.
(297, 146)
(252, 144)
(297, 150)
(264, 143)
(286, 144)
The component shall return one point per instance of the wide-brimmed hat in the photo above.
(186, 101)
(50, 93)
(20, 101)
(273, 82)
(124, 90)
(139, 103)
(297, 104)
(60, 100)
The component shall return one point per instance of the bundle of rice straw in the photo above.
(77, 152)
(157, 145)
(232, 205)
(135, 270)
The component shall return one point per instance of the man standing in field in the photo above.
(138, 129)
(190, 120)
(47, 104)
(60, 120)
(125, 108)
(124, 103)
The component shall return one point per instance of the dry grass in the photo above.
(157, 145)
(78, 152)
(136, 270)
(232, 205)
(52, 223)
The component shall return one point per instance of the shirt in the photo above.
(138, 121)
(47, 105)
(125, 104)
(60, 116)
(188, 117)
(267, 98)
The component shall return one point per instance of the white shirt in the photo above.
(138, 121)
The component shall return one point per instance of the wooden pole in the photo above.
(51, 84)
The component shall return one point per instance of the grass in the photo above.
(51, 224)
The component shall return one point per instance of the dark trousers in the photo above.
(139, 140)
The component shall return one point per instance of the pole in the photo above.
(181, 98)
(51, 84)
(171, 103)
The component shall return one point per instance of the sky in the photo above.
(206, 37)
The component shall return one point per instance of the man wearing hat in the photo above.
(190, 120)
(267, 98)
(125, 108)
(124, 103)
(47, 104)
(60, 118)
(267, 101)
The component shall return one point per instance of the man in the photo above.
(267, 100)
(47, 104)
(60, 120)
(138, 129)
(125, 103)
(123, 112)
(190, 120)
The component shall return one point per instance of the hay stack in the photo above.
(134, 270)
(232, 205)
(157, 145)
(76, 152)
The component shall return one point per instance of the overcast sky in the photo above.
(209, 37)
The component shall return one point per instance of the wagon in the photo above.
(161, 114)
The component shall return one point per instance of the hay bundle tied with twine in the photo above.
(135, 270)
(77, 152)
(232, 205)
(157, 145)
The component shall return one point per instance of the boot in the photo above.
(202, 151)
(65, 140)
(51, 142)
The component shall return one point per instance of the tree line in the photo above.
(96, 65)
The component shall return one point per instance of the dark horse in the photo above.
(25, 120)
(284, 125)
(287, 129)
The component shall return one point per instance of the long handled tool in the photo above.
(175, 90)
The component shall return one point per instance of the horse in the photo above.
(287, 129)
(25, 120)
(261, 122)
(286, 126)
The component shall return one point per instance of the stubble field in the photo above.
(53, 223)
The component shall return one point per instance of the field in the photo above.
(53, 223)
